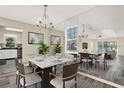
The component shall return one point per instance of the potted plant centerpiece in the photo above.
(57, 48)
(43, 48)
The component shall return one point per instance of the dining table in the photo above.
(46, 63)
(92, 56)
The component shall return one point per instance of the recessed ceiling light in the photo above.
(13, 29)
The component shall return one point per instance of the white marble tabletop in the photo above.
(45, 62)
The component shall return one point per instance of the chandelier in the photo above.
(45, 21)
(83, 34)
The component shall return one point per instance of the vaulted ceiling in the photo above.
(99, 20)
(32, 13)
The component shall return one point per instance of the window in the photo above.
(107, 46)
(72, 33)
(71, 39)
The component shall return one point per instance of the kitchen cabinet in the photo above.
(8, 53)
(2, 56)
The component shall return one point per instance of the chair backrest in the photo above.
(106, 56)
(66, 55)
(102, 57)
(84, 55)
(98, 55)
(19, 66)
(69, 71)
(17, 60)
(16, 63)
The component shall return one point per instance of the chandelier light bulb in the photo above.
(40, 22)
(51, 23)
(52, 26)
(37, 25)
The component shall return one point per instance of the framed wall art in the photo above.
(85, 45)
(35, 38)
(55, 40)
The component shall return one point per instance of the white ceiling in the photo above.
(32, 13)
(107, 21)
(104, 20)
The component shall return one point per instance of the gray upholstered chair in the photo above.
(85, 59)
(101, 59)
(27, 68)
(27, 79)
(68, 77)
(58, 69)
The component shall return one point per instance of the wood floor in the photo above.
(7, 75)
(114, 72)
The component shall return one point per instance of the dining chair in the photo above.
(105, 61)
(76, 57)
(27, 68)
(70, 56)
(85, 59)
(27, 79)
(97, 60)
(58, 69)
(101, 59)
(67, 79)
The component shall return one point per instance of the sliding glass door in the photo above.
(107, 46)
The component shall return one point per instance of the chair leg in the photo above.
(20, 86)
(24, 86)
(104, 66)
(63, 84)
(41, 84)
(84, 64)
(98, 64)
(95, 64)
(75, 83)
(35, 85)
(18, 81)
(87, 65)
(91, 64)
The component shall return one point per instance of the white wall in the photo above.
(28, 48)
